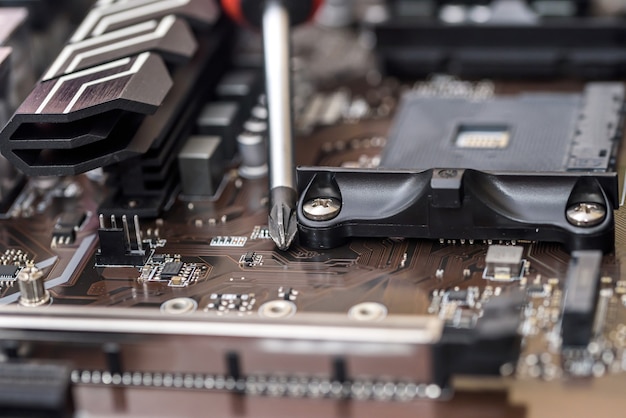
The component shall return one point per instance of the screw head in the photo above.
(447, 173)
(321, 208)
(586, 214)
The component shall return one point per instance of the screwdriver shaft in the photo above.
(276, 43)
(278, 91)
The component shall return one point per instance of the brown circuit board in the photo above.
(211, 268)
(234, 269)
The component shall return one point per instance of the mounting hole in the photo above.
(277, 309)
(368, 311)
(179, 306)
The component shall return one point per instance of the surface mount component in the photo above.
(221, 119)
(504, 262)
(200, 165)
(64, 231)
(8, 272)
(171, 269)
(243, 86)
(537, 167)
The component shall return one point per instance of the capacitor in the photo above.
(254, 125)
(253, 152)
(259, 112)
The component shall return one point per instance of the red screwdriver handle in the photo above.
(250, 12)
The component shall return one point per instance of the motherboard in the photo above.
(460, 239)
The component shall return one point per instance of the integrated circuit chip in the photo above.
(8, 271)
(171, 269)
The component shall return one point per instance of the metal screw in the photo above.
(448, 173)
(586, 214)
(321, 208)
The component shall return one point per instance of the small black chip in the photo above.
(535, 289)
(7, 271)
(171, 269)
(158, 258)
(248, 258)
(457, 295)
(71, 220)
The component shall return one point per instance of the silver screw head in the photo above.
(321, 208)
(586, 214)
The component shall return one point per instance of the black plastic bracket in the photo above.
(456, 204)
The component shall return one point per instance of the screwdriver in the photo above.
(275, 17)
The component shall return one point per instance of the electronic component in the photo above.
(428, 186)
(538, 41)
(288, 293)
(260, 232)
(536, 290)
(200, 165)
(508, 133)
(253, 151)
(158, 258)
(8, 272)
(492, 342)
(35, 389)
(117, 248)
(581, 291)
(504, 263)
(251, 259)
(223, 303)
(459, 308)
(228, 241)
(65, 228)
(12, 261)
(58, 115)
(171, 269)
(242, 86)
(484, 137)
(248, 257)
(76, 120)
(32, 288)
(409, 278)
(221, 119)
(459, 296)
